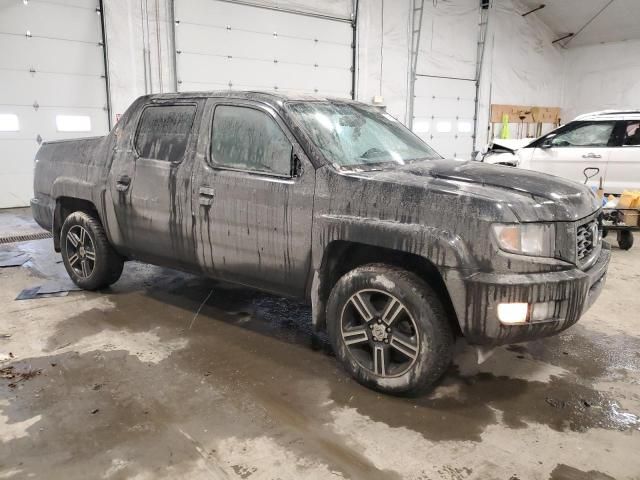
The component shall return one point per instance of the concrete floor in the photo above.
(130, 383)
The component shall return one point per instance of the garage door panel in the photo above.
(49, 89)
(51, 20)
(443, 107)
(43, 122)
(21, 191)
(240, 74)
(247, 19)
(444, 110)
(245, 47)
(18, 153)
(243, 44)
(58, 70)
(51, 56)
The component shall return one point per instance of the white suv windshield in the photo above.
(359, 136)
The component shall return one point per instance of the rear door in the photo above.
(254, 213)
(150, 184)
(568, 151)
(624, 163)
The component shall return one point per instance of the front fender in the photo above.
(441, 248)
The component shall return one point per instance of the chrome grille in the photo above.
(586, 240)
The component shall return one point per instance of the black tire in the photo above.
(625, 239)
(96, 265)
(422, 323)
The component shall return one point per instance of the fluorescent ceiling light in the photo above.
(9, 122)
(73, 123)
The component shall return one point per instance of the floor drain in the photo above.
(25, 237)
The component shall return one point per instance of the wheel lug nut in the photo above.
(371, 327)
(388, 329)
(386, 340)
(379, 320)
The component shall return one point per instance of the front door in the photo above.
(253, 187)
(624, 163)
(150, 184)
(578, 146)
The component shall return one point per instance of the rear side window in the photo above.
(632, 134)
(163, 132)
(244, 138)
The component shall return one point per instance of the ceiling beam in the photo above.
(586, 24)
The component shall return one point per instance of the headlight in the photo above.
(537, 239)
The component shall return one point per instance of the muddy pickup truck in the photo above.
(334, 202)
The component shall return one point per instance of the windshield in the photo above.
(359, 136)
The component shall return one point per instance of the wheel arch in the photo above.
(342, 256)
(66, 206)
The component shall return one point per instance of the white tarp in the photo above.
(599, 77)
(382, 63)
(448, 41)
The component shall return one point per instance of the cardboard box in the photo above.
(631, 218)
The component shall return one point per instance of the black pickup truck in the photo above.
(397, 250)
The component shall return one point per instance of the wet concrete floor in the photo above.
(131, 383)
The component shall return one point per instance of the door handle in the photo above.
(206, 196)
(591, 155)
(123, 182)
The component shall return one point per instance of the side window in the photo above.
(585, 135)
(163, 132)
(632, 134)
(247, 139)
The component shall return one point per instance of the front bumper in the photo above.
(571, 292)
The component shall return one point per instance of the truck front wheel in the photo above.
(90, 260)
(389, 329)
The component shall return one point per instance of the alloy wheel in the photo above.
(81, 252)
(379, 333)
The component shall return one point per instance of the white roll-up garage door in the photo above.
(224, 45)
(445, 87)
(52, 84)
(443, 114)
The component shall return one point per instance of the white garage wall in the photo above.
(521, 64)
(598, 77)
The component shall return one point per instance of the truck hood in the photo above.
(532, 196)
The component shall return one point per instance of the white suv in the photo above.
(607, 140)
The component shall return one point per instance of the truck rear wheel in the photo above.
(389, 329)
(90, 260)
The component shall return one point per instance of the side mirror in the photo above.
(296, 165)
(547, 143)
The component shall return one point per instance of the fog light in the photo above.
(543, 311)
(513, 313)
